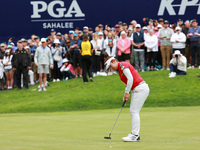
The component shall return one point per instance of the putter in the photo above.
(109, 137)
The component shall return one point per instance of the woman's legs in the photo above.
(139, 96)
(12, 78)
(7, 79)
(150, 59)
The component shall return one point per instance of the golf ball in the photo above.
(110, 146)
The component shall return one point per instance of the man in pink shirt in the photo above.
(140, 92)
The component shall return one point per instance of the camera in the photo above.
(176, 56)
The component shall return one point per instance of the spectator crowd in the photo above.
(150, 46)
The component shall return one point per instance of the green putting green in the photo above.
(173, 128)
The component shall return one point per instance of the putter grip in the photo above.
(124, 103)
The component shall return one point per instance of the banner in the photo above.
(26, 17)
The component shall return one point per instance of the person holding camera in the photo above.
(178, 64)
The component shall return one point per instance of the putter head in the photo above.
(107, 137)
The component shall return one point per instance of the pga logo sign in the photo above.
(183, 4)
(59, 12)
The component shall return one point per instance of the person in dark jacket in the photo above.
(138, 43)
(21, 63)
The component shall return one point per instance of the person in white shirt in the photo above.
(178, 40)
(145, 30)
(151, 43)
(7, 61)
(178, 64)
(110, 45)
(96, 56)
(101, 38)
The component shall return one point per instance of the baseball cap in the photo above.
(56, 41)
(159, 26)
(90, 29)
(36, 37)
(29, 41)
(23, 40)
(100, 25)
(130, 29)
(65, 60)
(67, 41)
(85, 27)
(26, 47)
(100, 33)
(113, 29)
(58, 34)
(2, 45)
(52, 30)
(138, 26)
(80, 32)
(107, 63)
(71, 32)
(7, 51)
(180, 20)
(9, 46)
(124, 24)
(120, 23)
(12, 44)
(144, 28)
(123, 32)
(43, 40)
(161, 20)
(178, 28)
(166, 22)
(75, 35)
(193, 20)
(177, 52)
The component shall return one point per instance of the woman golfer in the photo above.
(140, 92)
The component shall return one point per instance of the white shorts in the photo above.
(43, 69)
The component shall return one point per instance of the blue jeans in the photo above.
(67, 74)
(195, 49)
(173, 68)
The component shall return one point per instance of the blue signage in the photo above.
(26, 17)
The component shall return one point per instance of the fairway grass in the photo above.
(104, 93)
(173, 128)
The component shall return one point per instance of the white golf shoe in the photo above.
(40, 89)
(131, 138)
(172, 75)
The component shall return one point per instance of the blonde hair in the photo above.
(95, 34)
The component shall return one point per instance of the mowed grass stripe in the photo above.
(104, 93)
(174, 128)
